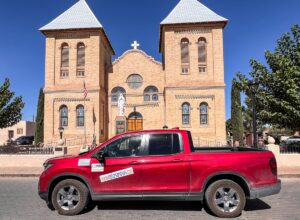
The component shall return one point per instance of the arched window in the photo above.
(203, 113)
(151, 94)
(186, 113)
(64, 60)
(80, 59)
(135, 115)
(63, 116)
(80, 116)
(185, 58)
(202, 55)
(115, 92)
(134, 81)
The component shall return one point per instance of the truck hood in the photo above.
(58, 158)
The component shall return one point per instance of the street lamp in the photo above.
(61, 131)
(253, 86)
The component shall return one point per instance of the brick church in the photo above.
(185, 90)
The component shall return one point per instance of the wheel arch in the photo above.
(235, 177)
(65, 176)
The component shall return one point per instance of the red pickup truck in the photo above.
(159, 165)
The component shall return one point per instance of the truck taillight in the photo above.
(273, 166)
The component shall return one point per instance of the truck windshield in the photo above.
(191, 142)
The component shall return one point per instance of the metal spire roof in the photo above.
(78, 16)
(192, 11)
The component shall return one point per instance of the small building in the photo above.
(23, 128)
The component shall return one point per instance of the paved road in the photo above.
(19, 200)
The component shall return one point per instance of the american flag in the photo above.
(85, 91)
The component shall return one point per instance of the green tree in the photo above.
(236, 114)
(39, 129)
(228, 126)
(277, 95)
(10, 107)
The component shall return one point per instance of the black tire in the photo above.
(223, 204)
(80, 191)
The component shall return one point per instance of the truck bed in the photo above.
(225, 149)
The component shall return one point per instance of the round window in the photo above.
(134, 81)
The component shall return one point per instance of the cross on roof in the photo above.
(135, 45)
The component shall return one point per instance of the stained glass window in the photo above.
(134, 81)
(185, 113)
(80, 116)
(203, 113)
(151, 94)
(63, 111)
(115, 92)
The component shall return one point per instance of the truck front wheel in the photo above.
(225, 198)
(70, 197)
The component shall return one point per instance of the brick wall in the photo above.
(69, 91)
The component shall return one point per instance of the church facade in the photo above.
(185, 90)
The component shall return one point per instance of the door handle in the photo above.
(177, 160)
(133, 162)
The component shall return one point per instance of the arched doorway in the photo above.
(135, 121)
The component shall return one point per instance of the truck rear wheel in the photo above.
(225, 198)
(70, 197)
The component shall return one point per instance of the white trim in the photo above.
(136, 51)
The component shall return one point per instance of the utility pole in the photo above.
(85, 93)
(254, 120)
(253, 87)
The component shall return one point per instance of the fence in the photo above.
(78, 141)
(285, 160)
(290, 147)
(208, 143)
(26, 150)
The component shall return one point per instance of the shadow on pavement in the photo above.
(256, 204)
(251, 205)
(146, 205)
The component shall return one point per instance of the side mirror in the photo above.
(99, 156)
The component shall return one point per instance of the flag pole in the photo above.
(94, 121)
(84, 115)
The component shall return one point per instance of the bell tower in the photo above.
(191, 43)
(78, 59)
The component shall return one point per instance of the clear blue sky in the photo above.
(254, 26)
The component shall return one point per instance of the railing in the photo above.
(290, 147)
(208, 143)
(72, 142)
(26, 150)
(79, 141)
(51, 144)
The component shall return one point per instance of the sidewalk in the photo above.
(20, 171)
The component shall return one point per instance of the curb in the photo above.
(19, 175)
(289, 175)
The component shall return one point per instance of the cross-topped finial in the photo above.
(135, 45)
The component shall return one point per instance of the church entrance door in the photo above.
(135, 121)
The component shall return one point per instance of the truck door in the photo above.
(164, 165)
(121, 171)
